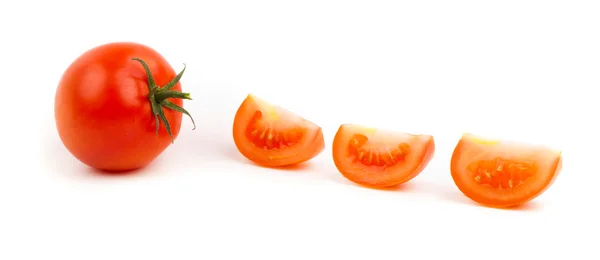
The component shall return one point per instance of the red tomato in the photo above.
(110, 102)
(272, 136)
(379, 159)
(502, 173)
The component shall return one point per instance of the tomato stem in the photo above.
(159, 98)
(162, 95)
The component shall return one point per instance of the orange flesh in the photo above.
(268, 136)
(379, 159)
(503, 174)
(376, 156)
(272, 136)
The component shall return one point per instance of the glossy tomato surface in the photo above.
(272, 136)
(500, 173)
(102, 109)
(380, 158)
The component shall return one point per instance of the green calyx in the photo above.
(159, 98)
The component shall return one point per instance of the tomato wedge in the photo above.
(274, 137)
(503, 174)
(380, 158)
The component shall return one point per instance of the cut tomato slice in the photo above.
(272, 136)
(501, 174)
(379, 158)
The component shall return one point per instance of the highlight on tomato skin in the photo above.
(380, 158)
(272, 136)
(502, 174)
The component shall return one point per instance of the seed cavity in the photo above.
(502, 173)
(261, 133)
(376, 156)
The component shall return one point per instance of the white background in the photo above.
(520, 70)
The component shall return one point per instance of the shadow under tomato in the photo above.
(295, 167)
(529, 206)
(115, 174)
(404, 187)
(235, 155)
(445, 192)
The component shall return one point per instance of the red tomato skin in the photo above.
(102, 112)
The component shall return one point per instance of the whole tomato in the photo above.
(118, 106)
